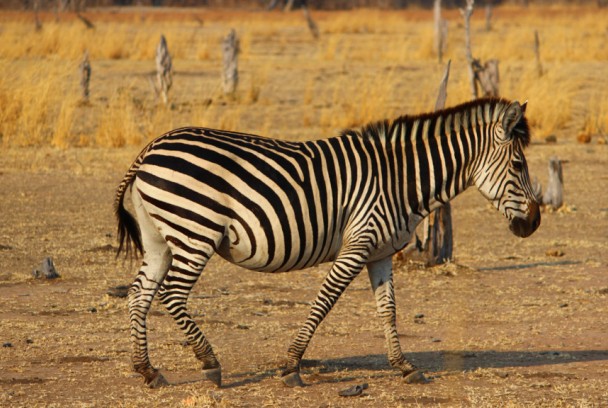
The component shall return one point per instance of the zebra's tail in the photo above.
(129, 235)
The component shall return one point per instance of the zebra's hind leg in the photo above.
(345, 268)
(155, 264)
(381, 278)
(184, 271)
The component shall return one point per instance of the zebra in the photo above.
(276, 206)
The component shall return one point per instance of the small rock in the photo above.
(419, 316)
(551, 139)
(435, 340)
(601, 140)
(555, 252)
(7, 344)
(120, 291)
(353, 391)
(242, 327)
(563, 305)
(29, 341)
(92, 310)
(584, 138)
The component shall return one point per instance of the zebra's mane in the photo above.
(384, 128)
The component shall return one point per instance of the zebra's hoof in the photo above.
(157, 381)
(415, 377)
(214, 375)
(292, 380)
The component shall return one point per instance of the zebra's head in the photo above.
(502, 175)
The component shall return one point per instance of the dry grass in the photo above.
(367, 65)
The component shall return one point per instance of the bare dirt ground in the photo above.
(505, 324)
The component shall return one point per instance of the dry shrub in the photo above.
(549, 108)
(119, 122)
(596, 119)
(354, 106)
(29, 95)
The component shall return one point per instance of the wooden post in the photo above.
(539, 67)
(554, 196)
(37, 22)
(466, 14)
(489, 15)
(312, 26)
(441, 30)
(230, 49)
(88, 23)
(164, 69)
(85, 75)
(288, 5)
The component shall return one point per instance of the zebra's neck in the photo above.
(433, 156)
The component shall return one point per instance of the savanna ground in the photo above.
(509, 322)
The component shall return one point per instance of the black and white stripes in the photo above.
(276, 206)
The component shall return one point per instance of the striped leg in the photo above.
(345, 268)
(174, 292)
(155, 264)
(381, 278)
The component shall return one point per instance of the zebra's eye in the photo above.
(518, 165)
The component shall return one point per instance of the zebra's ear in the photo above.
(512, 116)
(524, 106)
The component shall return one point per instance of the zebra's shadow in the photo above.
(376, 365)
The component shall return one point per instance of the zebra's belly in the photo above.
(259, 253)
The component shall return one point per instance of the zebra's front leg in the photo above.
(174, 296)
(345, 268)
(381, 278)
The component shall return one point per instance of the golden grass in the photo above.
(367, 65)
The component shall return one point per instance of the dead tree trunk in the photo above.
(486, 75)
(312, 26)
(37, 22)
(438, 224)
(85, 76)
(539, 67)
(489, 16)
(230, 50)
(466, 14)
(554, 195)
(441, 31)
(164, 69)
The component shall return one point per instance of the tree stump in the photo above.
(46, 270)
(554, 195)
(230, 50)
(164, 69)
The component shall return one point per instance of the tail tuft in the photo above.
(129, 236)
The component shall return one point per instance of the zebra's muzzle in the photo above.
(524, 227)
